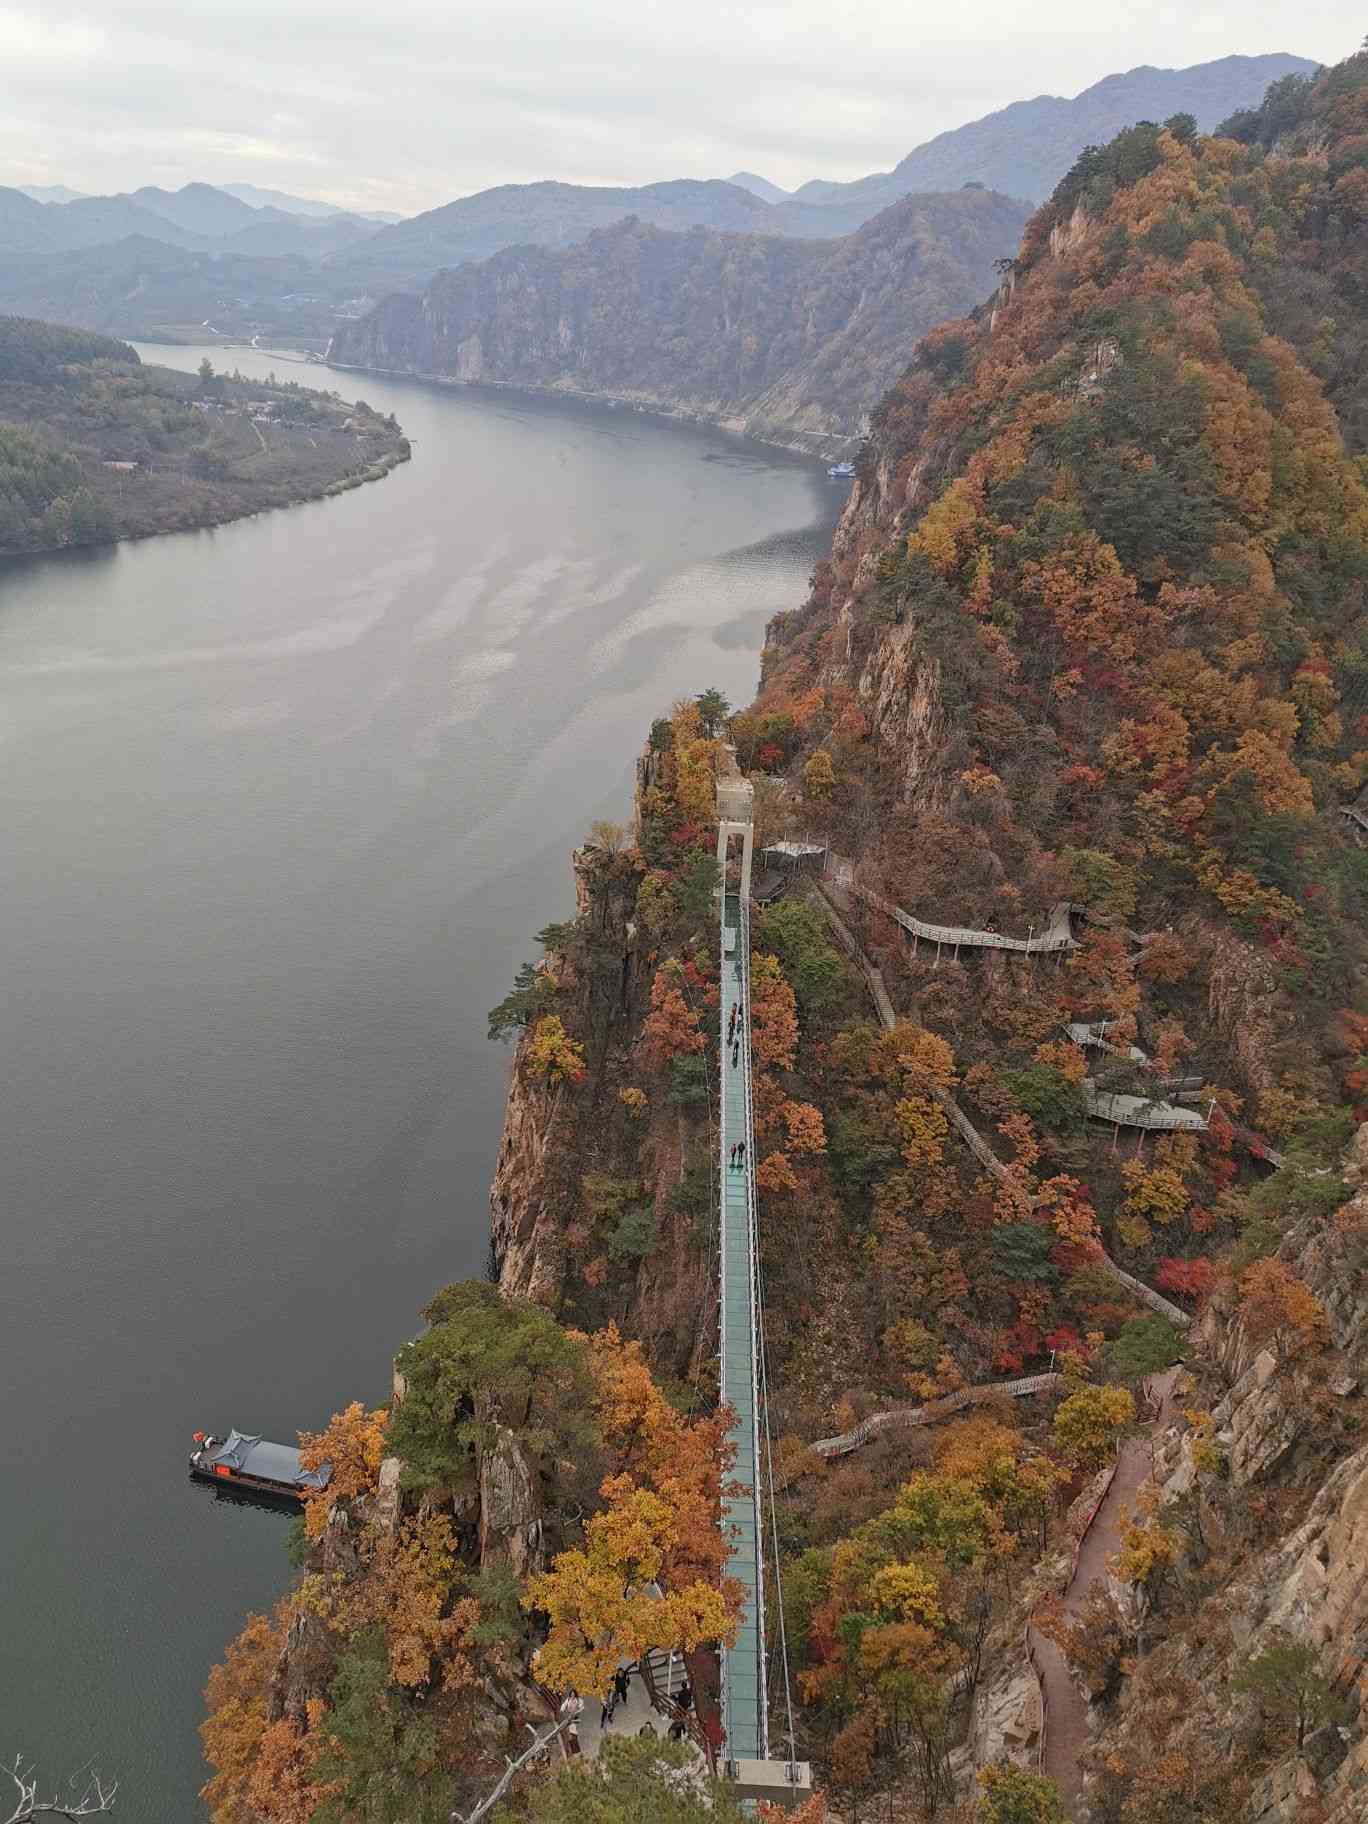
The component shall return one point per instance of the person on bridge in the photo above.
(741, 1154)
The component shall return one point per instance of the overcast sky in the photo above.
(404, 104)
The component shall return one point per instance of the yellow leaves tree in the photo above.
(1089, 1423)
(945, 527)
(1154, 1196)
(634, 1100)
(980, 781)
(1149, 1550)
(354, 1445)
(819, 777)
(923, 1129)
(599, 1602)
(1281, 1310)
(695, 776)
(550, 1052)
(908, 1593)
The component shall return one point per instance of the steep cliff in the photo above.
(790, 340)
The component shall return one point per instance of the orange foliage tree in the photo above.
(683, 1460)
(774, 1015)
(353, 1445)
(1281, 1310)
(671, 1028)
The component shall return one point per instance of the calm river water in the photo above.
(283, 805)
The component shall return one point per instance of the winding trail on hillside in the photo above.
(1065, 1724)
(972, 1138)
(1066, 1731)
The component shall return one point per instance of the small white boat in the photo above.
(842, 471)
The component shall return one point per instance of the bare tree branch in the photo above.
(539, 1746)
(92, 1800)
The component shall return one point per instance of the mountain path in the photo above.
(1067, 1728)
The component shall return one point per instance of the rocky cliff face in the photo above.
(793, 341)
(544, 1142)
(1281, 1550)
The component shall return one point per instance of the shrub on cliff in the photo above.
(488, 1363)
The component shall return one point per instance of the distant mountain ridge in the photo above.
(1026, 148)
(787, 339)
(299, 267)
(259, 198)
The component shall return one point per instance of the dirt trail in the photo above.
(1067, 1727)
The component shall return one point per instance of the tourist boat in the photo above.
(841, 471)
(255, 1465)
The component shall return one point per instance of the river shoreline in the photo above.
(231, 450)
(287, 800)
(819, 447)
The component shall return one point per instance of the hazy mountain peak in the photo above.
(256, 197)
(51, 193)
(759, 186)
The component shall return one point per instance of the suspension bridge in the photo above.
(748, 1509)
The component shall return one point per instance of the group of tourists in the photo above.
(734, 1034)
(736, 1159)
(572, 1708)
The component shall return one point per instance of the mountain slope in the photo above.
(791, 340)
(1026, 148)
(548, 215)
(1094, 632)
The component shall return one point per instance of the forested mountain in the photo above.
(1090, 659)
(96, 446)
(142, 287)
(1026, 148)
(790, 340)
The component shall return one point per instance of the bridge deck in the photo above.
(743, 1667)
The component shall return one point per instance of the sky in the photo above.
(408, 103)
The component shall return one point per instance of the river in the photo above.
(283, 805)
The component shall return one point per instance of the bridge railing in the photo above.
(753, 1228)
